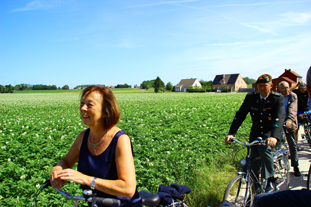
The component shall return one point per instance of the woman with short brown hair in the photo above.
(103, 151)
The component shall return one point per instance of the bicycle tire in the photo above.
(309, 179)
(236, 192)
(281, 170)
(307, 134)
(178, 204)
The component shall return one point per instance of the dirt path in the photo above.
(304, 157)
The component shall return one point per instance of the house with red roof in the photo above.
(291, 77)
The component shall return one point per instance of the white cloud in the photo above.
(164, 3)
(39, 4)
(262, 3)
(296, 18)
(239, 5)
(253, 43)
(259, 28)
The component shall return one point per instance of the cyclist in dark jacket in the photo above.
(267, 111)
(286, 198)
(303, 102)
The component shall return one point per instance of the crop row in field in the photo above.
(171, 134)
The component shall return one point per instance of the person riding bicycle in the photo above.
(303, 102)
(103, 151)
(291, 124)
(286, 198)
(267, 112)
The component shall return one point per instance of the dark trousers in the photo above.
(291, 140)
(265, 163)
(284, 198)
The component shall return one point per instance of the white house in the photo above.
(184, 84)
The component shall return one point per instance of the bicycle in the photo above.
(309, 178)
(304, 119)
(245, 186)
(148, 199)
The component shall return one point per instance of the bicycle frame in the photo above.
(253, 184)
(249, 173)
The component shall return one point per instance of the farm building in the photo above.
(233, 82)
(185, 84)
(289, 76)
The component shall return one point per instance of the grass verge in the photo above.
(209, 182)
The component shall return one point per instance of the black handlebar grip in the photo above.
(107, 201)
(47, 183)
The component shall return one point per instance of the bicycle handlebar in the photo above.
(308, 112)
(97, 200)
(255, 142)
(88, 197)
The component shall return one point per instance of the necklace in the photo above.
(98, 143)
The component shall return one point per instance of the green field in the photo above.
(177, 138)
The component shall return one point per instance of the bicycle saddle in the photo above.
(149, 199)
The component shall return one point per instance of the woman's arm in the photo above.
(67, 162)
(125, 185)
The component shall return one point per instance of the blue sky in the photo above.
(77, 42)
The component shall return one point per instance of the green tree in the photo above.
(2, 89)
(159, 85)
(249, 80)
(147, 84)
(206, 84)
(17, 87)
(65, 87)
(6, 89)
(169, 86)
(9, 88)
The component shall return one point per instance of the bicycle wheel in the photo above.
(309, 179)
(178, 204)
(281, 172)
(237, 191)
(307, 134)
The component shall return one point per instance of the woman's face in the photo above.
(91, 109)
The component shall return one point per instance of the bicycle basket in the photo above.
(304, 118)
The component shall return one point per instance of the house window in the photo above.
(214, 88)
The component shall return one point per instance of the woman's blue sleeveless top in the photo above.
(103, 166)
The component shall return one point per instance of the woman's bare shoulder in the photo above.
(80, 137)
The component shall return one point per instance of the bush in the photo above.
(196, 90)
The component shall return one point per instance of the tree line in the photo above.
(156, 84)
(159, 86)
(21, 87)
